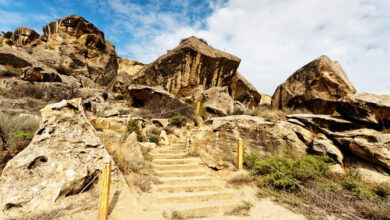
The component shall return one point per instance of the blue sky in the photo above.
(272, 37)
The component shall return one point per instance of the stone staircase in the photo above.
(187, 188)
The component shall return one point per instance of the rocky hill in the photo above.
(68, 102)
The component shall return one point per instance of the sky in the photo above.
(273, 38)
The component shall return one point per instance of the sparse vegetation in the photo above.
(121, 97)
(105, 80)
(154, 139)
(193, 153)
(367, 200)
(64, 70)
(274, 115)
(241, 179)
(11, 73)
(17, 131)
(132, 126)
(177, 120)
(243, 209)
(9, 42)
(7, 34)
(143, 182)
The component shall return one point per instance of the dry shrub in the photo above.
(17, 131)
(243, 209)
(143, 182)
(167, 109)
(241, 179)
(274, 115)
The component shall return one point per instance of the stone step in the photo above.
(169, 156)
(175, 166)
(175, 161)
(206, 209)
(196, 196)
(169, 151)
(187, 188)
(184, 180)
(180, 173)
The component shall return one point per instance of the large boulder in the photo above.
(314, 87)
(244, 92)
(74, 43)
(140, 95)
(58, 173)
(366, 107)
(23, 36)
(190, 64)
(218, 101)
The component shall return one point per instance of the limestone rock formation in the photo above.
(63, 157)
(76, 44)
(314, 87)
(368, 144)
(216, 141)
(23, 36)
(218, 101)
(190, 64)
(141, 95)
(366, 107)
(244, 92)
(129, 67)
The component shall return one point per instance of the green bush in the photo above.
(11, 73)
(28, 135)
(9, 42)
(120, 97)
(177, 120)
(154, 139)
(132, 126)
(302, 170)
(7, 34)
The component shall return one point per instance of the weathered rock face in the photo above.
(23, 36)
(76, 44)
(190, 64)
(366, 143)
(63, 157)
(141, 95)
(216, 142)
(129, 67)
(366, 107)
(314, 87)
(218, 101)
(244, 92)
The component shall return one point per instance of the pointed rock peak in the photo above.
(201, 45)
(73, 25)
(313, 87)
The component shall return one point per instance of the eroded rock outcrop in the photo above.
(314, 87)
(216, 142)
(140, 95)
(23, 36)
(218, 101)
(244, 92)
(74, 43)
(366, 107)
(366, 143)
(63, 157)
(190, 64)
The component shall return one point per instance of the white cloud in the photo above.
(275, 38)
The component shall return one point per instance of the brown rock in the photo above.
(218, 101)
(75, 43)
(23, 36)
(141, 95)
(322, 145)
(314, 87)
(216, 141)
(129, 67)
(63, 157)
(190, 64)
(244, 92)
(366, 107)
(368, 144)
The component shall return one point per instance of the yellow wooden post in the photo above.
(105, 191)
(240, 152)
(197, 108)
